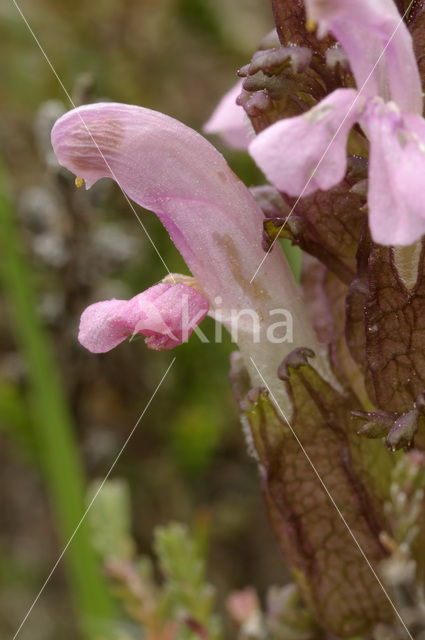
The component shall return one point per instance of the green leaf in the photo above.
(110, 519)
(333, 576)
(385, 327)
(187, 597)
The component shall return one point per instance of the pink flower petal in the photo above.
(396, 175)
(166, 314)
(209, 213)
(104, 325)
(230, 122)
(165, 166)
(378, 45)
(299, 155)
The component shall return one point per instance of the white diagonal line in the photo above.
(332, 140)
(83, 517)
(328, 493)
(90, 134)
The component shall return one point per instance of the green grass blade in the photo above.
(54, 433)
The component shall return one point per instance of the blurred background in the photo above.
(64, 413)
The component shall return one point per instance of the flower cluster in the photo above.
(308, 152)
(332, 114)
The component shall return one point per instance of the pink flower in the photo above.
(166, 314)
(210, 215)
(302, 154)
(230, 122)
(290, 150)
(397, 170)
(378, 46)
(167, 167)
